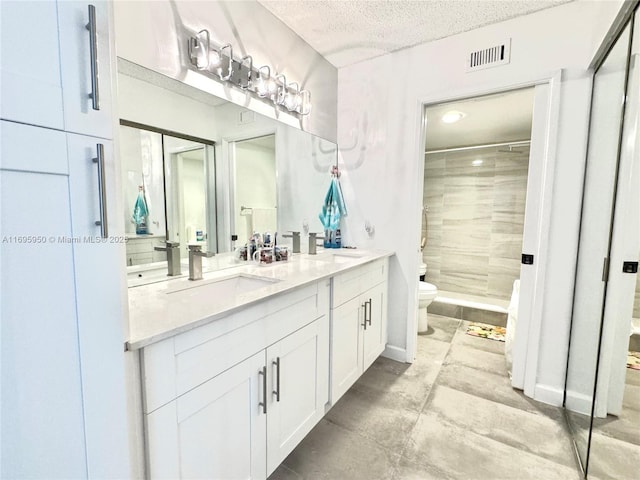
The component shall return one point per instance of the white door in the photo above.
(346, 346)
(216, 431)
(299, 371)
(625, 249)
(42, 424)
(31, 89)
(374, 333)
(87, 91)
(97, 265)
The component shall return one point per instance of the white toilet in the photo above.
(426, 294)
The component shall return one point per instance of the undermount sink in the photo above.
(223, 287)
(337, 256)
(143, 276)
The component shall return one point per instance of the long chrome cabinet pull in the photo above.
(102, 191)
(276, 392)
(93, 51)
(368, 318)
(364, 307)
(263, 403)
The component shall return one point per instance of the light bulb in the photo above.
(214, 59)
(452, 116)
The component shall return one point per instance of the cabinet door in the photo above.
(298, 388)
(374, 336)
(346, 347)
(98, 266)
(76, 59)
(42, 420)
(31, 89)
(217, 430)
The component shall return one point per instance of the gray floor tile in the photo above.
(463, 454)
(491, 386)
(461, 354)
(407, 470)
(387, 423)
(331, 452)
(403, 385)
(284, 473)
(440, 328)
(610, 458)
(535, 433)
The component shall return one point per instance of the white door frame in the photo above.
(540, 180)
(226, 197)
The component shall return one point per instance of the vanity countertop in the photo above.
(156, 313)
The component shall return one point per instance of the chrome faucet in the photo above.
(173, 257)
(296, 241)
(195, 261)
(313, 238)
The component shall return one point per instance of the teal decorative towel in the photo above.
(334, 207)
(140, 213)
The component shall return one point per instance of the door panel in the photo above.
(301, 389)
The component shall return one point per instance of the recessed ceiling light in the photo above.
(452, 116)
(477, 163)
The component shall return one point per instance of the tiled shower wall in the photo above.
(474, 219)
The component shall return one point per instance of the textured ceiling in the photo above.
(349, 31)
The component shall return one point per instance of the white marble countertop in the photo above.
(156, 312)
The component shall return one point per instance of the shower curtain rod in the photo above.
(486, 145)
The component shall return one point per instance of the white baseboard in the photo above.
(547, 394)
(396, 353)
(578, 402)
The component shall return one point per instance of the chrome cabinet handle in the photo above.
(368, 318)
(93, 51)
(276, 392)
(102, 191)
(364, 306)
(263, 404)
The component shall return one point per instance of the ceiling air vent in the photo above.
(489, 57)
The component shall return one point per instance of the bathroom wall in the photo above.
(154, 34)
(379, 125)
(255, 173)
(475, 219)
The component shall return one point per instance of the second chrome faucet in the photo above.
(195, 261)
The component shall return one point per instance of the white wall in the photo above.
(255, 173)
(154, 34)
(379, 125)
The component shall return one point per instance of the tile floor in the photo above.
(450, 415)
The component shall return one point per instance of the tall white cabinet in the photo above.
(63, 393)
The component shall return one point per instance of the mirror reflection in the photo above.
(603, 369)
(211, 172)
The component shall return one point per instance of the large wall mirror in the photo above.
(209, 170)
(602, 392)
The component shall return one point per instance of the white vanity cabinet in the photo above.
(46, 70)
(231, 399)
(61, 299)
(358, 323)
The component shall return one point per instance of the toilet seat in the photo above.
(424, 287)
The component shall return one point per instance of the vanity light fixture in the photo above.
(452, 117)
(278, 98)
(304, 106)
(292, 99)
(230, 71)
(199, 50)
(266, 87)
(207, 58)
(249, 71)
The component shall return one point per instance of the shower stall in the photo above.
(473, 226)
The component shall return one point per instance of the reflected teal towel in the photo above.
(333, 208)
(140, 210)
